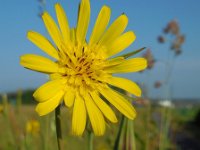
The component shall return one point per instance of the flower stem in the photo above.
(132, 132)
(58, 127)
(46, 133)
(116, 146)
(91, 137)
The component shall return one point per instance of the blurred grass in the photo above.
(13, 129)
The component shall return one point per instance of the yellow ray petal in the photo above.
(73, 35)
(69, 97)
(131, 65)
(83, 21)
(48, 106)
(43, 44)
(125, 84)
(95, 115)
(55, 76)
(52, 29)
(38, 63)
(119, 102)
(49, 89)
(100, 25)
(116, 28)
(63, 23)
(105, 109)
(120, 43)
(79, 116)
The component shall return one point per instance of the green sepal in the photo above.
(129, 98)
(132, 53)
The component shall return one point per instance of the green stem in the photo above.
(91, 137)
(161, 129)
(127, 134)
(58, 127)
(46, 133)
(165, 129)
(118, 134)
(132, 132)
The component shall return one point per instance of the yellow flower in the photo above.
(81, 71)
(33, 127)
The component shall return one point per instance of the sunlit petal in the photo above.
(49, 105)
(79, 116)
(95, 115)
(119, 102)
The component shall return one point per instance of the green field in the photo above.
(13, 133)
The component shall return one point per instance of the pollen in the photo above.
(83, 67)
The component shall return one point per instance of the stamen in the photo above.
(83, 66)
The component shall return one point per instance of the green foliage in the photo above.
(14, 135)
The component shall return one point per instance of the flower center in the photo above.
(83, 67)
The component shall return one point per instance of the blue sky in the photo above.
(146, 19)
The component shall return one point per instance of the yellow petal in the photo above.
(116, 28)
(131, 65)
(43, 44)
(100, 25)
(83, 21)
(69, 97)
(123, 105)
(63, 23)
(125, 84)
(38, 63)
(55, 76)
(95, 115)
(48, 106)
(48, 90)
(121, 43)
(73, 35)
(52, 29)
(105, 109)
(79, 116)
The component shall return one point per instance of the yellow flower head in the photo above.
(33, 127)
(81, 71)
